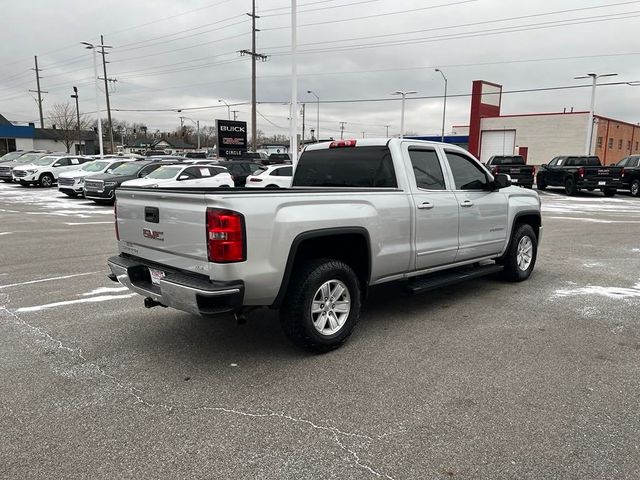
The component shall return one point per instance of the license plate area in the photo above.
(514, 180)
(156, 276)
(602, 182)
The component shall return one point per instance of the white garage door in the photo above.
(502, 142)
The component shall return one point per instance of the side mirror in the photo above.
(501, 180)
(183, 177)
(55, 165)
(543, 165)
(109, 170)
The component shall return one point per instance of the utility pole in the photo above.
(106, 91)
(253, 55)
(363, 134)
(594, 79)
(75, 95)
(303, 127)
(342, 124)
(235, 114)
(293, 114)
(387, 127)
(38, 91)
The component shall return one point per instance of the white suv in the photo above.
(189, 176)
(272, 176)
(72, 183)
(46, 170)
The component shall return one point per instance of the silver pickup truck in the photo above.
(358, 214)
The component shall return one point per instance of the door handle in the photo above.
(425, 206)
(467, 203)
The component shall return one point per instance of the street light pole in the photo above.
(404, 96)
(228, 109)
(90, 46)
(444, 106)
(293, 127)
(317, 114)
(594, 77)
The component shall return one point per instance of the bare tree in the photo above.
(63, 117)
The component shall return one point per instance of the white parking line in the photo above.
(103, 298)
(46, 279)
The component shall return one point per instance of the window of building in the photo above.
(610, 143)
(636, 146)
(619, 144)
(599, 142)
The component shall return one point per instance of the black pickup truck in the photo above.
(514, 166)
(630, 174)
(578, 172)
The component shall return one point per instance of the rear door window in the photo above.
(369, 166)
(427, 169)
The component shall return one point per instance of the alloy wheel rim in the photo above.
(330, 307)
(46, 182)
(524, 254)
(635, 188)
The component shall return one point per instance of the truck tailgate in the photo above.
(163, 227)
(596, 173)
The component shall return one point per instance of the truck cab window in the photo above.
(468, 175)
(427, 170)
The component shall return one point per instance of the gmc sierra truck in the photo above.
(630, 174)
(359, 213)
(575, 173)
(515, 166)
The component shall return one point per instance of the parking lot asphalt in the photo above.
(485, 379)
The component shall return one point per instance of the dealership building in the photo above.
(541, 136)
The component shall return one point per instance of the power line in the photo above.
(480, 33)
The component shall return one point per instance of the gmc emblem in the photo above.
(153, 234)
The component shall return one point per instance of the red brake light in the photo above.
(225, 236)
(342, 143)
(115, 216)
(533, 172)
(581, 172)
(495, 170)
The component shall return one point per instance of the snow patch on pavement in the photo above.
(101, 290)
(102, 298)
(597, 290)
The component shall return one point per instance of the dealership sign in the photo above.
(232, 138)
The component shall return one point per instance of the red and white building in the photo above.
(541, 136)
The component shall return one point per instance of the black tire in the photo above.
(71, 194)
(7, 180)
(295, 315)
(272, 187)
(541, 184)
(512, 270)
(591, 189)
(609, 192)
(46, 180)
(635, 188)
(570, 186)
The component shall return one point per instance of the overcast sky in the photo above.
(181, 54)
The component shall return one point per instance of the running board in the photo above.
(446, 278)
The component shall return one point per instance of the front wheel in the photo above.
(71, 194)
(635, 188)
(609, 192)
(521, 255)
(322, 306)
(46, 180)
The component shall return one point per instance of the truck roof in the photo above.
(371, 142)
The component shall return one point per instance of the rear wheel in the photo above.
(542, 185)
(6, 180)
(570, 186)
(635, 188)
(522, 253)
(271, 187)
(322, 306)
(46, 180)
(609, 192)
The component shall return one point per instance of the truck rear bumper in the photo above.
(189, 293)
(596, 184)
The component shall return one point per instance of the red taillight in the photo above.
(533, 171)
(254, 179)
(115, 216)
(225, 236)
(581, 172)
(495, 170)
(342, 143)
